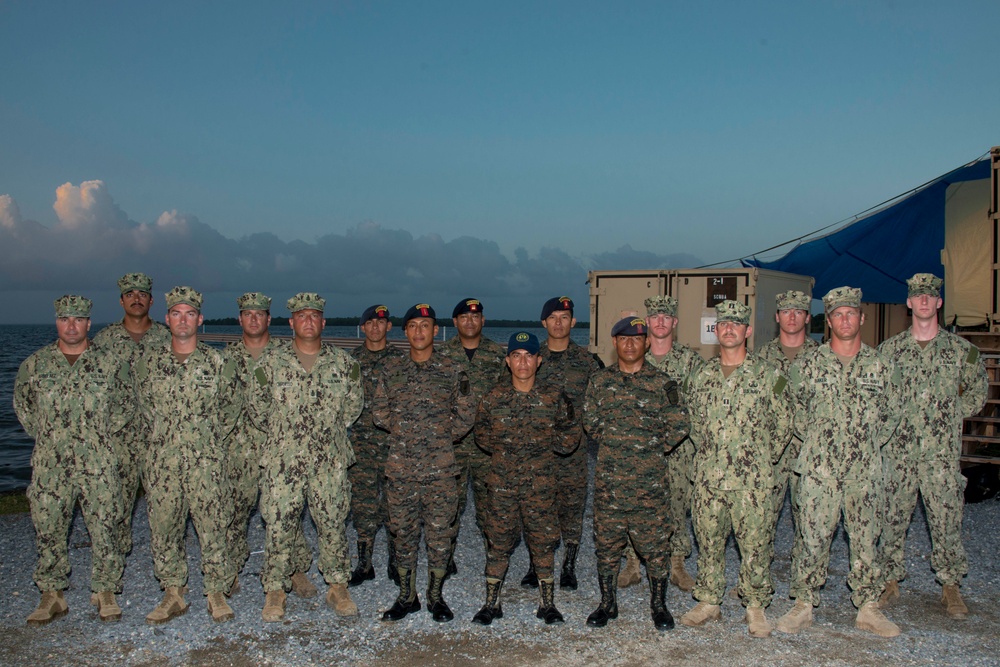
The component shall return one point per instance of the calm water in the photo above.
(19, 341)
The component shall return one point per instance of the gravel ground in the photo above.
(312, 634)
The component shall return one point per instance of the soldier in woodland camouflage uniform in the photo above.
(521, 424)
(371, 447)
(245, 445)
(71, 396)
(634, 413)
(126, 339)
(426, 402)
(847, 406)
(190, 397)
(678, 361)
(567, 366)
(306, 395)
(944, 381)
(793, 340)
(741, 420)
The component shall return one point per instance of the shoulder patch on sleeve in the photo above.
(355, 372)
(780, 385)
(973, 355)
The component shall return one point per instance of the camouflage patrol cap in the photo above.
(793, 299)
(522, 340)
(71, 305)
(924, 283)
(661, 305)
(183, 294)
(418, 311)
(629, 326)
(135, 281)
(254, 301)
(842, 296)
(306, 301)
(467, 306)
(732, 311)
(557, 303)
(376, 312)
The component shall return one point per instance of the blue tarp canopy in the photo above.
(880, 251)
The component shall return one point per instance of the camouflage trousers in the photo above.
(942, 487)
(432, 503)
(648, 528)
(368, 505)
(680, 471)
(511, 512)
(571, 480)
(821, 502)
(52, 496)
(129, 446)
(473, 466)
(178, 485)
(786, 478)
(747, 514)
(283, 496)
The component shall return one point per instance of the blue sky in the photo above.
(528, 142)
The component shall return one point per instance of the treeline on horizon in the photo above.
(396, 322)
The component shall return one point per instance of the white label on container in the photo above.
(708, 336)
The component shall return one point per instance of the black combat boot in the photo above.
(547, 609)
(365, 570)
(657, 603)
(407, 602)
(439, 609)
(491, 609)
(530, 579)
(608, 608)
(392, 570)
(567, 579)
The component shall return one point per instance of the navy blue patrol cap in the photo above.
(522, 340)
(467, 306)
(376, 312)
(629, 326)
(557, 303)
(419, 310)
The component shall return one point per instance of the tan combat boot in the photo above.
(796, 619)
(701, 614)
(757, 623)
(274, 606)
(631, 574)
(873, 620)
(889, 594)
(50, 607)
(107, 606)
(678, 575)
(952, 601)
(302, 587)
(338, 599)
(218, 608)
(171, 606)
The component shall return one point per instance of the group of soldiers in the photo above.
(391, 437)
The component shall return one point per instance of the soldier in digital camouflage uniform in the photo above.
(678, 361)
(793, 319)
(246, 443)
(483, 361)
(71, 396)
(306, 395)
(371, 447)
(567, 366)
(426, 403)
(635, 415)
(522, 425)
(190, 396)
(126, 339)
(741, 420)
(846, 398)
(944, 381)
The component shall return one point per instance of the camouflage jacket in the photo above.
(71, 410)
(306, 414)
(568, 370)
(739, 424)
(192, 406)
(118, 339)
(486, 366)
(636, 419)
(678, 364)
(521, 430)
(426, 407)
(371, 364)
(943, 383)
(771, 352)
(843, 415)
(245, 366)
